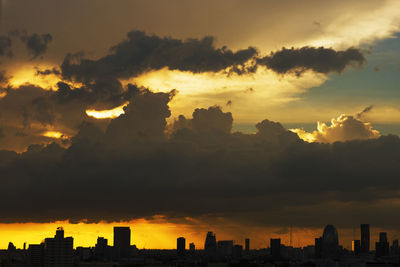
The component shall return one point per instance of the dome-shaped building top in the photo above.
(330, 242)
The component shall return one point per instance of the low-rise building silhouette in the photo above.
(275, 245)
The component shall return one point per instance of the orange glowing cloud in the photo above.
(107, 114)
(256, 92)
(54, 134)
(26, 74)
(343, 128)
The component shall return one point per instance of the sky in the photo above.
(181, 117)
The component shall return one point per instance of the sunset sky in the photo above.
(178, 117)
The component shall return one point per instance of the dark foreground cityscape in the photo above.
(326, 252)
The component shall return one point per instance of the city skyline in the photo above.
(261, 241)
(277, 121)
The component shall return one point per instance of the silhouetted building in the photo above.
(225, 248)
(275, 248)
(36, 255)
(102, 250)
(237, 251)
(11, 247)
(318, 247)
(247, 244)
(382, 247)
(192, 247)
(364, 238)
(394, 250)
(58, 251)
(181, 246)
(356, 247)
(210, 246)
(122, 242)
(330, 242)
(84, 254)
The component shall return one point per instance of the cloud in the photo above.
(137, 165)
(3, 78)
(37, 44)
(322, 60)
(137, 168)
(5, 46)
(343, 128)
(140, 52)
(364, 112)
(45, 72)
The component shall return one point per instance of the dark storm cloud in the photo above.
(3, 77)
(5, 46)
(37, 44)
(322, 60)
(141, 52)
(137, 168)
(45, 72)
(26, 112)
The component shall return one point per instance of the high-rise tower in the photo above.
(364, 238)
(122, 242)
(210, 246)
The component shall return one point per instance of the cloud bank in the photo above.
(84, 84)
(137, 165)
(197, 167)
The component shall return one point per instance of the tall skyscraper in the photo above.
(382, 247)
(275, 248)
(247, 244)
(122, 241)
(210, 246)
(181, 246)
(318, 247)
(58, 251)
(356, 247)
(364, 238)
(330, 242)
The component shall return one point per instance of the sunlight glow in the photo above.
(147, 233)
(250, 96)
(305, 136)
(26, 74)
(107, 114)
(54, 134)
